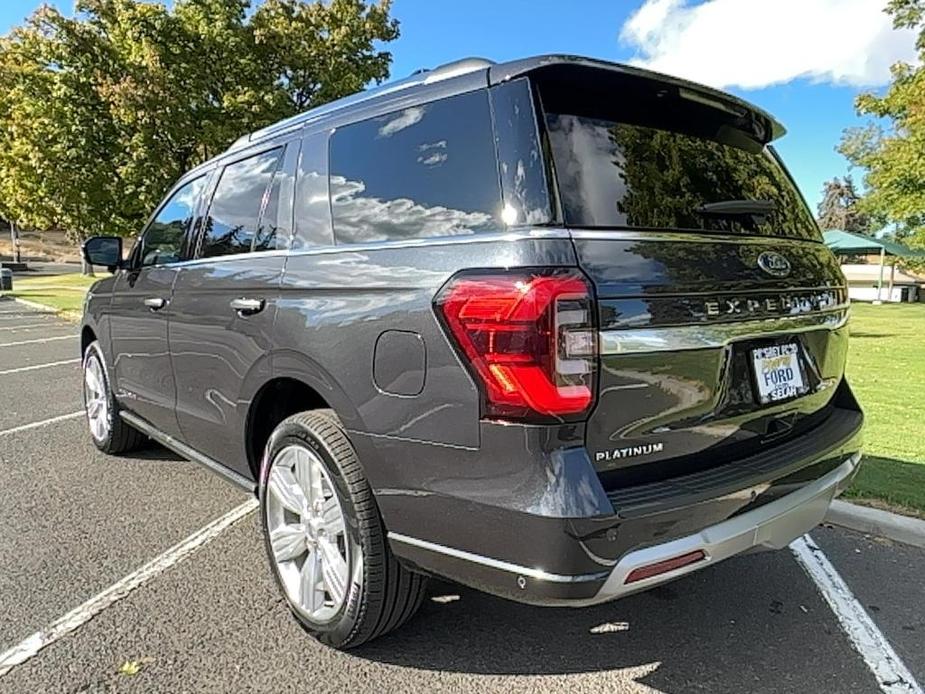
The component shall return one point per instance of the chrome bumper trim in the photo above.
(688, 337)
(515, 569)
(772, 526)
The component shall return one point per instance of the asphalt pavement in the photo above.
(74, 523)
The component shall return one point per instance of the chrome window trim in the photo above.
(514, 234)
(691, 337)
(517, 235)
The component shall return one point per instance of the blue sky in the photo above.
(805, 62)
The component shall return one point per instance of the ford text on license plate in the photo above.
(777, 372)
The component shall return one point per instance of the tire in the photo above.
(379, 594)
(110, 433)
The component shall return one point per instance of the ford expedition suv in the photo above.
(558, 329)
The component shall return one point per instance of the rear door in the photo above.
(141, 306)
(721, 314)
(225, 301)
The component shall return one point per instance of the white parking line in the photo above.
(80, 615)
(36, 425)
(891, 673)
(39, 366)
(31, 326)
(35, 342)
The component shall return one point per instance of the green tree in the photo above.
(102, 111)
(839, 207)
(890, 150)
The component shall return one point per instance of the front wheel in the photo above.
(324, 536)
(110, 433)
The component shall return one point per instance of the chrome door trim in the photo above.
(690, 337)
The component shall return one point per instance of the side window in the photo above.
(231, 225)
(425, 171)
(163, 240)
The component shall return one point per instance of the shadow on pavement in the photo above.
(754, 623)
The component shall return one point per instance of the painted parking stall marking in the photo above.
(33, 367)
(38, 341)
(42, 423)
(892, 674)
(81, 614)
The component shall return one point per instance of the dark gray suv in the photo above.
(557, 329)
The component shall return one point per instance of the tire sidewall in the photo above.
(338, 629)
(94, 352)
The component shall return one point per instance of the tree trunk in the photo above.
(86, 269)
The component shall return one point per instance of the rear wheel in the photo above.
(110, 433)
(325, 538)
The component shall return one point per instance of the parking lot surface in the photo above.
(75, 522)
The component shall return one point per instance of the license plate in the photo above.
(777, 372)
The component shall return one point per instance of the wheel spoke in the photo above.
(283, 486)
(287, 541)
(308, 473)
(93, 379)
(332, 518)
(334, 570)
(309, 594)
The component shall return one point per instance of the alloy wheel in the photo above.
(95, 398)
(308, 542)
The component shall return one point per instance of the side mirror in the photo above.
(103, 250)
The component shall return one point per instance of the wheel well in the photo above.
(275, 401)
(87, 337)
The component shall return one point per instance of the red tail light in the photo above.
(528, 337)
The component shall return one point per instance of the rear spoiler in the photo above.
(765, 127)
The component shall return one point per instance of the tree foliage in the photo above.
(102, 111)
(839, 207)
(890, 150)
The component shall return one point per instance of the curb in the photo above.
(65, 314)
(34, 304)
(872, 521)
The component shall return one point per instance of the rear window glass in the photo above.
(616, 174)
(424, 171)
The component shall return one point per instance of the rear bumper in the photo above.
(772, 525)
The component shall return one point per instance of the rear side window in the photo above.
(651, 159)
(234, 222)
(425, 171)
(164, 239)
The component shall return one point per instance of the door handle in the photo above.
(247, 307)
(155, 303)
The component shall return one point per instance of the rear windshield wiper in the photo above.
(737, 208)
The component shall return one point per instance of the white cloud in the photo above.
(404, 119)
(756, 43)
(361, 218)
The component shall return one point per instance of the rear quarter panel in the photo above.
(335, 304)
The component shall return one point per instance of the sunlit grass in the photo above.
(62, 292)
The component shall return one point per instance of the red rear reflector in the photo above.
(527, 336)
(663, 567)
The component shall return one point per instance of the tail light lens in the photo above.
(528, 337)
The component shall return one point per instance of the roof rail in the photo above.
(418, 78)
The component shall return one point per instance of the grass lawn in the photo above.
(886, 369)
(63, 292)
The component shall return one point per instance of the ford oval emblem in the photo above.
(774, 264)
